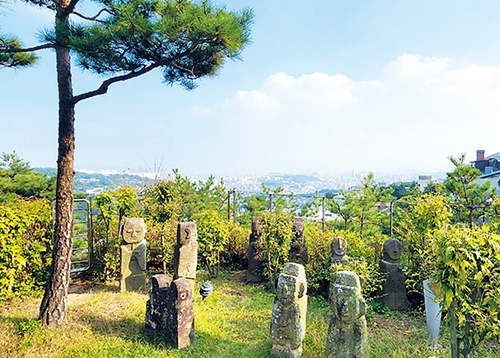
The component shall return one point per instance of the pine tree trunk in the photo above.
(54, 303)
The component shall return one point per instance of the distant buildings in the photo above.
(489, 167)
(423, 181)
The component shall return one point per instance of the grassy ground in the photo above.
(233, 322)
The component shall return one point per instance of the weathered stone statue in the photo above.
(186, 252)
(339, 250)
(393, 293)
(347, 334)
(298, 248)
(288, 319)
(254, 271)
(158, 288)
(133, 255)
(179, 317)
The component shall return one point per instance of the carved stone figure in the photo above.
(254, 271)
(134, 230)
(158, 289)
(186, 252)
(347, 333)
(339, 250)
(393, 293)
(288, 319)
(298, 248)
(133, 255)
(179, 317)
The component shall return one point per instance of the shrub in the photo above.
(212, 238)
(465, 265)
(235, 253)
(25, 231)
(276, 237)
(319, 253)
(363, 259)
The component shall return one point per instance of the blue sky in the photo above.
(325, 86)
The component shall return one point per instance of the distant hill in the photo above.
(94, 183)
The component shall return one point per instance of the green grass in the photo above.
(233, 322)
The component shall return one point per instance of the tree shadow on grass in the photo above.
(205, 345)
(128, 328)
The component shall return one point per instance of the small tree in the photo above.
(465, 265)
(361, 209)
(468, 195)
(276, 236)
(112, 207)
(17, 179)
(212, 237)
(417, 220)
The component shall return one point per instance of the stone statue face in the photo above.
(392, 250)
(134, 230)
(298, 227)
(347, 305)
(256, 226)
(287, 289)
(347, 296)
(187, 232)
(339, 246)
(184, 294)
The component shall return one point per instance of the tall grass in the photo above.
(233, 322)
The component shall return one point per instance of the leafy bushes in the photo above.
(25, 231)
(274, 245)
(465, 266)
(363, 259)
(112, 208)
(213, 234)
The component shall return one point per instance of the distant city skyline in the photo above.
(328, 86)
(245, 184)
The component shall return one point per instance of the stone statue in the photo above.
(288, 319)
(339, 250)
(347, 333)
(186, 252)
(393, 293)
(133, 255)
(158, 288)
(179, 316)
(298, 248)
(254, 270)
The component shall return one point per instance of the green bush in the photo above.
(25, 231)
(276, 237)
(112, 207)
(363, 259)
(212, 238)
(464, 264)
(319, 253)
(235, 252)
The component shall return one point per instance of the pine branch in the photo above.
(6, 48)
(93, 18)
(103, 88)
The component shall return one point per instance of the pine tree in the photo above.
(125, 39)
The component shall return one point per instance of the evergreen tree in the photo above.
(17, 179)
(467, 193)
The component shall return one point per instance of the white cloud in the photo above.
(420, 111)
(408, 66)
